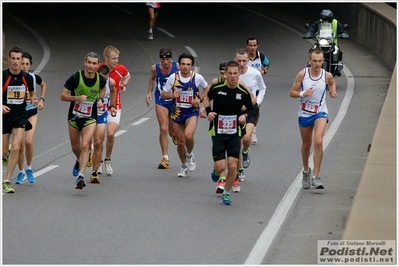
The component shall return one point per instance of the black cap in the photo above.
(222, 65)
(165, 53)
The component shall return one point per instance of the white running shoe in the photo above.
(190, 162)
(108, 167)
(150, 36)
(183, 172)
(254, 139)
(100, 168)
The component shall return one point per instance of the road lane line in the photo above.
(124, 10)
(192, 52)
(140, 121)
(46, 49)
(166, 32)
(120, 132)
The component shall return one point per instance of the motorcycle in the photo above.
(325, 37)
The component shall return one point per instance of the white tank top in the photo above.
(316, 103)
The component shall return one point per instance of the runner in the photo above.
(32, 118)
(153, 10)
(310, 87)
(102, 113)
(85, 91)
(17, 85)
(121, 76)
(163, 108)
(227, 122)
(184, 87)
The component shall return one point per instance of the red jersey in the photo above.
(117, 74)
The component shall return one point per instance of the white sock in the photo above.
(166, 156)
(150, 30)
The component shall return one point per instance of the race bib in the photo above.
(227, 124)
(16, 94)
(82, 110)
(308, 108)
(185, 99)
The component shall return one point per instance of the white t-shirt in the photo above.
(253, 80)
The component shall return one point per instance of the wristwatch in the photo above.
(113, 106)
(42, 97)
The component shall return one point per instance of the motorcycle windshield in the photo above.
(325, 30)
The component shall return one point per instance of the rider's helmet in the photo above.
(326, 14)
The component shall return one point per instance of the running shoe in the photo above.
(164, 164)
(108, 167)
(80, 182)
(246, 160)
(75, 170)
(316, 183)
(183, 172)
(190, 162)
(226, 199)
(236, 185)
(174, 140)
(7, 158)
(254, 139)
(215, 176)
(94, 178)
(306, 179)
(241, 174)
(220, 186)
(100, 167)
(90, 162)
(20, 178)
(7, 187)
(29, 175)
(150, 36)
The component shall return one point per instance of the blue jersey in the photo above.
(161, 80)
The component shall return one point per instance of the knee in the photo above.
(28, 143)
(318, 143)
(163, 129)
(306, 145)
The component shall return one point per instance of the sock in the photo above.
(29, 167)
(226, 192)
(150, 31)
(314, 177)
(245, 152)
(166, 157)
(184, 165)
(222, 178)
(94, 173)
(22, 171)
(80, 174)
(107, 159)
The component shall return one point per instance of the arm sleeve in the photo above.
(262, 89)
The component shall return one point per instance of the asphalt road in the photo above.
(142, 215)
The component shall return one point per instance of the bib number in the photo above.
(185, 99)
(16, 94)
(82, 110)
(227, 124)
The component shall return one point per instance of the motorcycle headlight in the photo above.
(324, 42)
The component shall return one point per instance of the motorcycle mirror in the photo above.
(307, 25)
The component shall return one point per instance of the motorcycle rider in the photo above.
(326, 15)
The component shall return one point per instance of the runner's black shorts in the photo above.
(252, 119)
(225, 144)
(15, 119)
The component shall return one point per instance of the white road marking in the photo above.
(140, 121)
(192, 52)
(120, 132)
(46, 49)
(166, 32)
(263, 243)
(124, 10)
(42, 171)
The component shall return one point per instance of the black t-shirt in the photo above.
(227, 101)
(14, 89)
